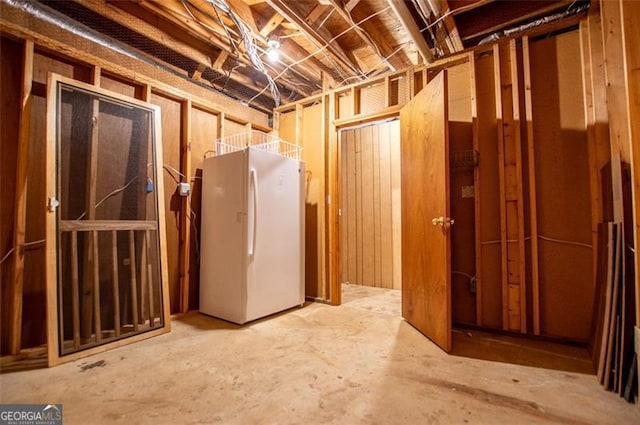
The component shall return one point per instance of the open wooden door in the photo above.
(426, 267)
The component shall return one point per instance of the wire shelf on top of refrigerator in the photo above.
(257, 140)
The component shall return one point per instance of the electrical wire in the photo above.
(467, 275)
(109, 195)
(544, 238)
(321, 49)
(169, 168)
(7, 255)
(26, 245)
(250, 47)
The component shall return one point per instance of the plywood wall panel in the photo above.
(119, 86)
(373, 98)
(232, 127)
(171, 134)
(562, 185)
(287, 129)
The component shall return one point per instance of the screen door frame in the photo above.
(51, 212)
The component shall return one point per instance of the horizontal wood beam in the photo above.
(283, 9)
(495, 16)
(106, 225)
(21, 24)
(273, 22)
(392, 111)
(405, 18)
(366, 37)
(212, 34)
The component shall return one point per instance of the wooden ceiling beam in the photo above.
(172, 11)
(382, 51)
(495, 16)
(270, 26)
(405, 18)
(308, 72)
(450, 26)
(462, 6)
(315, 14)
(340, 57)
(186, 23)
(351, 4)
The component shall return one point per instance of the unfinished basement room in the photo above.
(319, 212)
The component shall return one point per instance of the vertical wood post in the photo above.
(184, 248)
(20, 214)
(533, 210)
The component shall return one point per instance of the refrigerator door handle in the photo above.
(254, 183)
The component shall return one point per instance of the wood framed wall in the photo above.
(192, 118)
(516, 70)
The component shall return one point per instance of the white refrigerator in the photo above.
(252, 235)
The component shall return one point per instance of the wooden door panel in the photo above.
(426, 284)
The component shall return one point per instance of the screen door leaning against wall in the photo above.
(106, 286)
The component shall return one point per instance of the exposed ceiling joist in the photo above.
(493, 16)
(403, 14)
(377, 50)
(450, 25)
(461, 6)
(273, 22)
(337, 53)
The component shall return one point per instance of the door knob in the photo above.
(442, 221)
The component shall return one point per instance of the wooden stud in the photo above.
(75, 290)
(51, 252)
(133, 282)
(613, 43)
(356, 100)
(144, 294)
(222, 131)
(20, 213)
(96, 72)
(387, 92)
(333, 226)
(88, 285)
(185, 209)
(115, 270)
(476, 188)
(503, 221)
(533, 223)
(96, 287)
(323, 210)
(519, 184)
(362, 209)
(596, 117)
(149, 239)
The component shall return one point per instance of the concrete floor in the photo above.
(359, 363)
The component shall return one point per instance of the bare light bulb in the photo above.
(273, 55)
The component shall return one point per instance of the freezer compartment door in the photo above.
(275, 234)
(223, 236)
